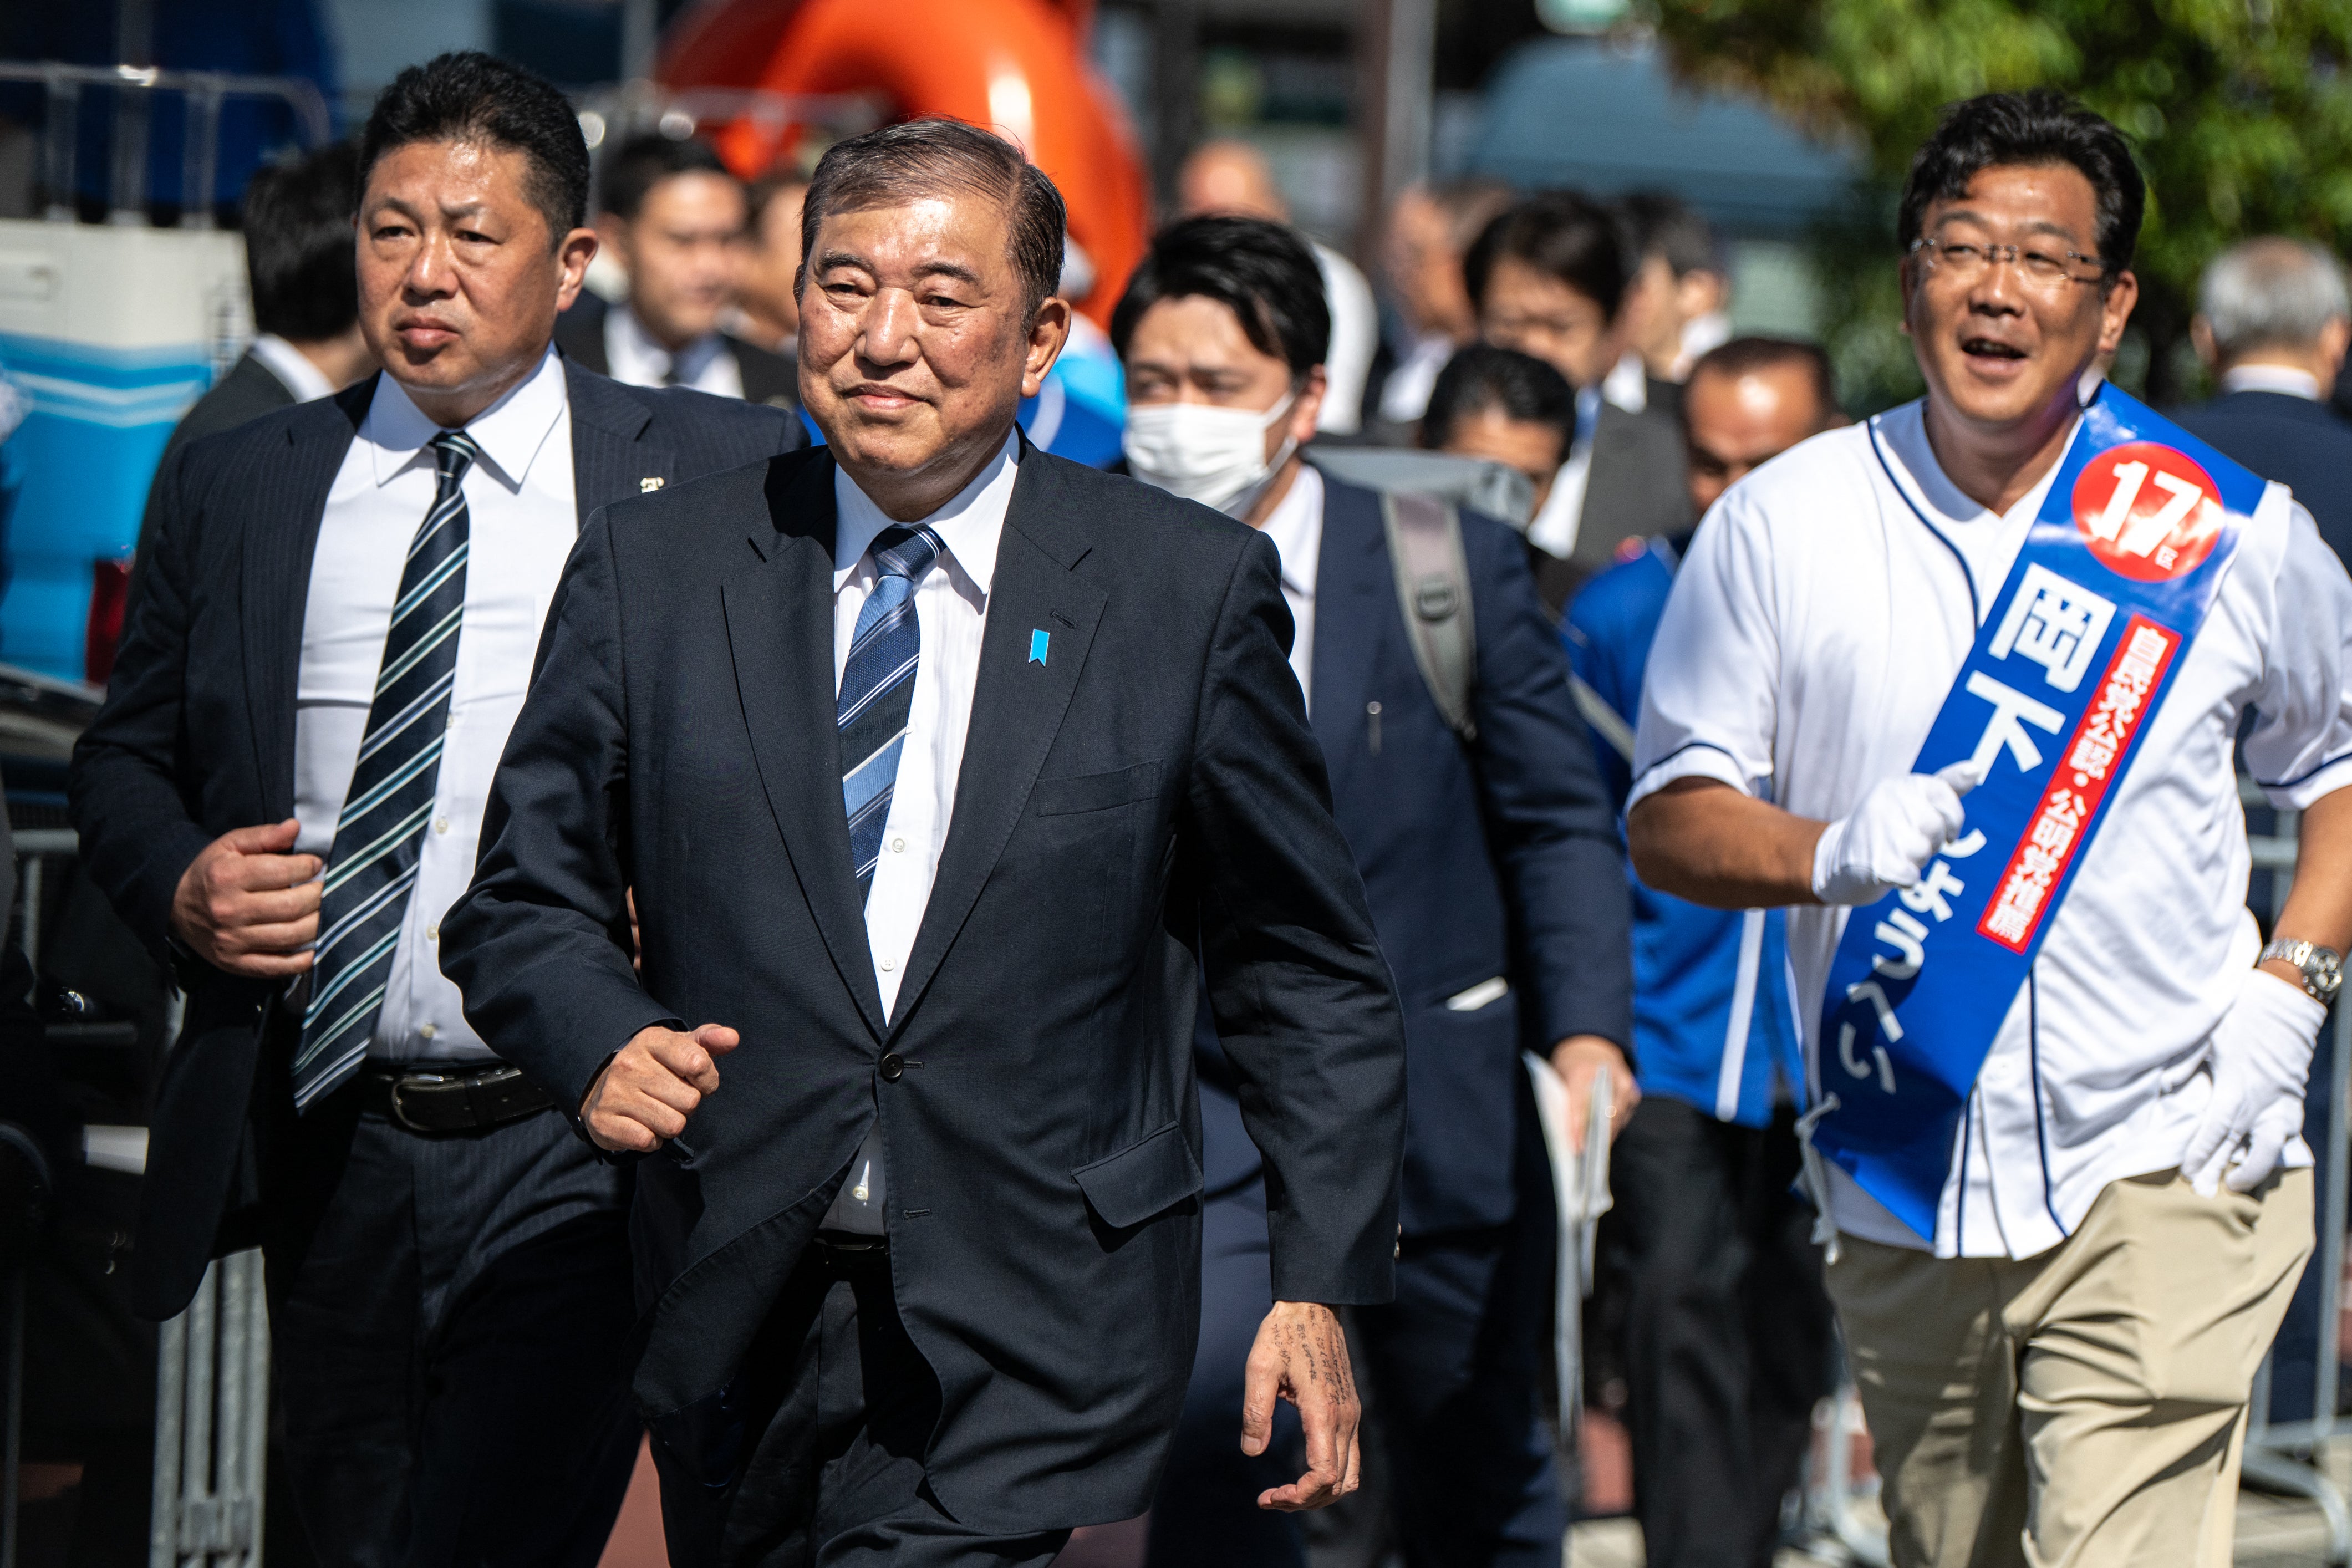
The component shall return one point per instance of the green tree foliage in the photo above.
(2241, 112)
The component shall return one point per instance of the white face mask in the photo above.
(1214, 456)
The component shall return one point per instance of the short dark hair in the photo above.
(2009, 129)
(301, 255)
(1562, 234)
(1659, 223)
(630, 171)
(468, 95)
(917, 158)
(1483, 378)
(1259, 270)
(1752, 355)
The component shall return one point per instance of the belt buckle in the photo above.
(400, 1111)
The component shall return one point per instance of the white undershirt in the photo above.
(951, 615)
(1818, 622)
(1295, 526)
(635, 358)
(521, 521)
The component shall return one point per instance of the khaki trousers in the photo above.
(2085, 1407)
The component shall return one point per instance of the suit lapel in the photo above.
(1355, 598)
(779, 609)
(613, 454)
(1017, 705)
(274, 584)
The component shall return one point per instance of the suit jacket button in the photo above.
(893, 1065)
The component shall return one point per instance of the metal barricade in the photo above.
(212, 1424)
(212, 1387)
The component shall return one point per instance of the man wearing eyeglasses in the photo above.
(2056, 1079)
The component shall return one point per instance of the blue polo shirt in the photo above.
(1714, 1024)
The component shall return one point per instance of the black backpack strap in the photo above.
(1432, 583)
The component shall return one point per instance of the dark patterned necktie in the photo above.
(877, 691)
(373, 864)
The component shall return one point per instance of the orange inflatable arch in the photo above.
(1019, 66)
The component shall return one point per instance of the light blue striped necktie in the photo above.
(373, 864)
(877, 691)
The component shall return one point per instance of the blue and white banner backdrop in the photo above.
(2079, 648)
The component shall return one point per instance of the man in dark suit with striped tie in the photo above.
(939, 768)
(334, 635)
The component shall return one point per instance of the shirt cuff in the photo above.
(1695, 759)
(2299, 792)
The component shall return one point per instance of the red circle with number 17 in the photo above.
(2147, 510)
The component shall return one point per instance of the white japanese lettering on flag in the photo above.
(2055, 624)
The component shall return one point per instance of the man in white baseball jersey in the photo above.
(2057, 1080)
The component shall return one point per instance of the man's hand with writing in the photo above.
(1301, 1355)
(652, 1085)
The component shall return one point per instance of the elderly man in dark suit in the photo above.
(2273, 321)
(1496, 883)
(939, 767)
(333, 634)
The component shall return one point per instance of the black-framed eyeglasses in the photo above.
(1965, 261)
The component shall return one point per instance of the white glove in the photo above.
(1886, 841)
(2261, 1060)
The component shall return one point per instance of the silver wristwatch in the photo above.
(2322, 972)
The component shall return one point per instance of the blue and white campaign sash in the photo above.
(2116, 574)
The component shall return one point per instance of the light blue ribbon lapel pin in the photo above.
(1037, 647)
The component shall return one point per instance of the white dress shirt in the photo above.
(1627, 384)
(2284, 379)
(1404, 396)
(951, 618)
(950, 615)
(1816, 625)
(292, 367)
(1554, 529)
(1295, 526)
(635, 358)
(521, 521)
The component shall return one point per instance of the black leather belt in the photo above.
(453, 1098)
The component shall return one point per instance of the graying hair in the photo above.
(919, 158)
(2272, 293)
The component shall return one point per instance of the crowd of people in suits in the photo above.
(1092, 1081)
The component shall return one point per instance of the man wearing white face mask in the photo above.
(1491, 863)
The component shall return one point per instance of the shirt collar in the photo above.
(291, 366)
(2279, 378)
(1900, 436)
(969, 525)
(1295, 526)
(511, 432)
(637, 350)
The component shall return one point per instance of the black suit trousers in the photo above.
(1727, 1339)
(840, 1407)
(450, 1320)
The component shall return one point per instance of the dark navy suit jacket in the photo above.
(2304, 445)
(1140, 797)
(1494, 858)
(197, 737)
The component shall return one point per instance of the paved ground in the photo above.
(2272, 1532)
